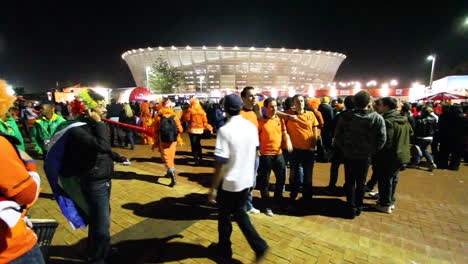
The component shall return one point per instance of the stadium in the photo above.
(208, 69)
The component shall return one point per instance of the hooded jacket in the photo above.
(399, 131)
(360, 133)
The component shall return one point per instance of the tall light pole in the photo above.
(147, 77)
(433, 59)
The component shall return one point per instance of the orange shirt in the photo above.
(301, 130)
(15, 184)
(271, 134)
(251, 116)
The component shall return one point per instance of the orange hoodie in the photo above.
(16, 185)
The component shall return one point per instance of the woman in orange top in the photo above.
(19, 189)
(167, 129)
(303, 134)
(195, 116)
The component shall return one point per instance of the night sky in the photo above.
(82, 43)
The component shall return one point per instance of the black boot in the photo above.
(173, 179)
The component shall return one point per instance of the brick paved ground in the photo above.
(152, 223)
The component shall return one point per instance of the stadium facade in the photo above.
(228, 68)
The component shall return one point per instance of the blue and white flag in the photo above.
(67, 190)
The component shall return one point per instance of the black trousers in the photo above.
(268, 163)
(355, 181)
(195, 142)
(231, 207)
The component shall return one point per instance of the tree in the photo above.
(163, 78)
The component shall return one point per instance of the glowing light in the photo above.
(188, 48)
(160, 48)
(357, 87)
(384, 90)
(10, 90)
(220, 48)
(252, 48)
(149, 48)
(274, 93)
(296, 50)
(141, 49)
(308, 51)
(333, 92)
(393, 82)
(283, 49)
(311, 92)
(371, 83)
(235, 48)
(204, 47)
(173, 48)
(431, 57)
(267, 49)
(318, 52)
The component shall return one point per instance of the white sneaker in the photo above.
(392, 207)
(383, 209)
(269, 212)
(253, 210)
(374, 195)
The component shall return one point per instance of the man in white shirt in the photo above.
(236, 146)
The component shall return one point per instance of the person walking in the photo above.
(127, 116)
(197, 121)
(235, 154)
(167, 128)
(113, 113)
(424, 131)
(360, 133)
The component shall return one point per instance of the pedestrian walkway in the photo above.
(153, 223)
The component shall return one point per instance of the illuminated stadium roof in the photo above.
(231, 67)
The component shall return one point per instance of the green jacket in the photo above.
(9, 127)
(43, 130)
(397, 146)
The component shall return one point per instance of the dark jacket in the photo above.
(360, 133)
(113, 110)
(425, 126)
(88, 152)
(399, 132)
(327, 113)
(123, 118)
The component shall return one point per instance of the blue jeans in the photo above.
(388, 180)
(231, 208)
(97, 195)
(302, 158)
(249, 203)
(423, 145)
(33, 256)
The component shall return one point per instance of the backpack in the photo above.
(168, 129)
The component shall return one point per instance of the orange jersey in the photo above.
(15, 185)
(271, 135)
(301, 130)
(251, 116)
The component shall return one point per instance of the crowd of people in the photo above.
(253, 138)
